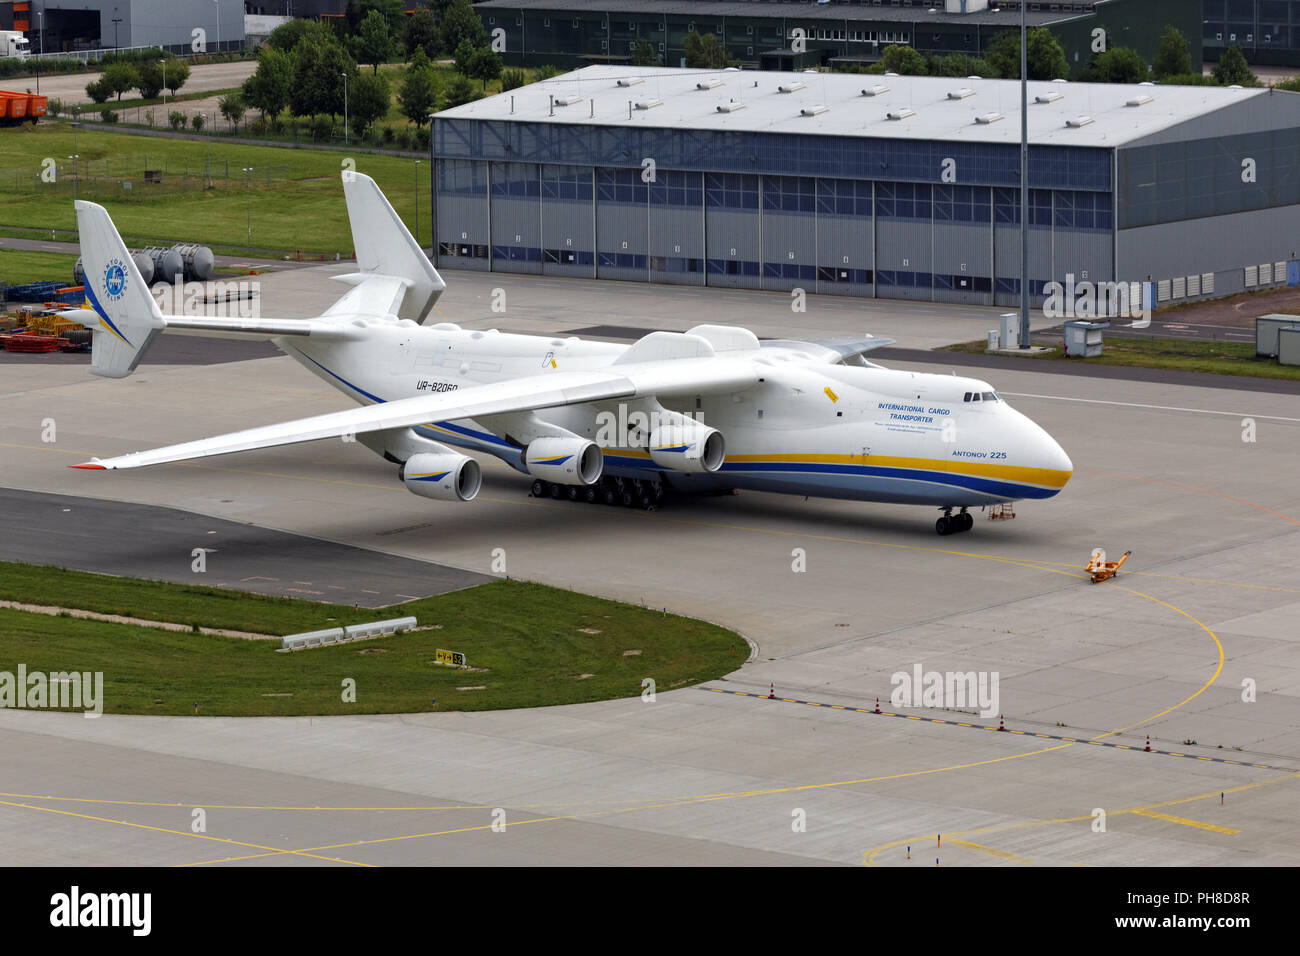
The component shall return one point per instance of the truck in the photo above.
(13, 45)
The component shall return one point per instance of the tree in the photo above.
(1119, 64)
(460, 91)
(1233, 70)
(287, 36)
(268, 88)
(705, 52)
(961, 65)
(1046, 57)
(370, 99)
(418, 93)
(643, 54)
(512, 80)
(1174, 56)
(318, 69)
(459, 23)
(485, 65)
(232, 108)
(358, 11)
(178, 71)
(151, 78)
(421, 32)
(374, 43)
(197, 121)
(1188, 79)
(118, 78)
(98, 91)
(903, 60)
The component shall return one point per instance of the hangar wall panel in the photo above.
(622, 225)
(461, 236)
(516, 217)
(845, 241)
(676, 228)
(789, 232)
(733, 241)
(568, 225)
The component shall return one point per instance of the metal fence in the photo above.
(139, 176)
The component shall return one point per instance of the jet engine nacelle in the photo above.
(447, 477)
(565, 461)
(686, 445)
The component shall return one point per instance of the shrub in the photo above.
(107, 115)
(176, 118)
(197, 121)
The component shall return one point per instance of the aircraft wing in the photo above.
(548, 390)
(835, 350)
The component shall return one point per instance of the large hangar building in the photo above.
(880, 186)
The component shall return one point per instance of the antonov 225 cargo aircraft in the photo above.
(706, 410)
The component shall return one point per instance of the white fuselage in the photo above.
(860, 432)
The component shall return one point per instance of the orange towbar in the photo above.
(1100, 569)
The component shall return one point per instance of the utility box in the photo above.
(1009, 330)
(1083, 339)
(1266, 328)
(1288, 346)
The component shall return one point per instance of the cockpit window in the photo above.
(976, 397)
(967, 398)
(990, 396)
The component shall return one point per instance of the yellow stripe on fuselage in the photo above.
(1047, 477)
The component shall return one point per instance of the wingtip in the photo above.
(92, 465)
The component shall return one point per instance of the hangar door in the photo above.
(516, 217)
(461, 214)
(676, 212)
(844, 240)
(568, 224)
(622, 247)
(732, 234)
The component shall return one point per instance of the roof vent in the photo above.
(708, 84)
(887, 73)
(987, 118)
(568, 100)
(1146, 83)
(1140, 100)
(877, 90)
(649, 104)
(730, 107)
(792, 87)
(1078, 121)
(1051, 97)
(961, 94)
(631, 80)
(902, 114)
(813, 110)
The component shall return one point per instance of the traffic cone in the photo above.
(771, 691)
(1001, 723)
(1147, 748)
(877, 710)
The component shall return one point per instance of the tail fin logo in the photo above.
(115, 279)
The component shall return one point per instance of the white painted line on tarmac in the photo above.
(1161, 408)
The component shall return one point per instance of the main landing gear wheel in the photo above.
(954, 523)
(539, 489)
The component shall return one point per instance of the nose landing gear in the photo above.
(954, 523)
